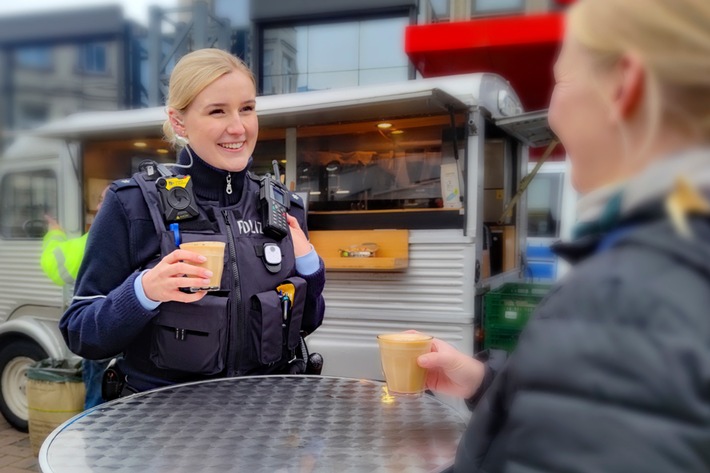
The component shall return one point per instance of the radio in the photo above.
(274, 202)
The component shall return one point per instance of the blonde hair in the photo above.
(194, 72)
(672, 38)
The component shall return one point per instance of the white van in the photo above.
(419, 170)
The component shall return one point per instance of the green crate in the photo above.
(509, 306)
(500, 339)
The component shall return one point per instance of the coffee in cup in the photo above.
(399, 353)
(214, 252)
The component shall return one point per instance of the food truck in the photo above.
(406, 186)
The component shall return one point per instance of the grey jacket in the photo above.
(612, 374)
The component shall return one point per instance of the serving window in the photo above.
(370, 168)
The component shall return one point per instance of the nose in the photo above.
(236, 126)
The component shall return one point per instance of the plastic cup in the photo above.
(214, 252)
(398, 353)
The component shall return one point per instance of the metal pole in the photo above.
(224, 35)
(6, 103)
(155, 37)
(199, 21)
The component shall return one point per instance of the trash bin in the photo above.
(55, 393)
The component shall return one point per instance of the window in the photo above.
(439, 10)
(32, 115)
(325, 56)
(37, 57)
(545, 205)
(269, 149)
(92, 58)
(396, 168)
(288, 66)
(26, 197)
(494, 6)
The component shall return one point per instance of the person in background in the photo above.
(132, 295)
(60, 260)
(61, 255)
(612, 372)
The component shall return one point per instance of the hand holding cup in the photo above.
(399, 353)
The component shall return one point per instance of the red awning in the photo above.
(522, 49)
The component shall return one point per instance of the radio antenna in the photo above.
(277, 175)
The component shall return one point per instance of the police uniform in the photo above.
(238, 330)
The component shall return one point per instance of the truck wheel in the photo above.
(15, 358)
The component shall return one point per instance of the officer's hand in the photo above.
(301, 246)
(450, 371)
(163, 282)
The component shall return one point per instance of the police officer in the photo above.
(132, 294)
(61, 255)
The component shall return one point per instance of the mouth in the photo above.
(233, 146)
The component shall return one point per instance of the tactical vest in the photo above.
(240, 329)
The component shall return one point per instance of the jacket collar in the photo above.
(209, 182)
(639, 201)
(588, 235)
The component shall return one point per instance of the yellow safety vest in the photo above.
(61, 256)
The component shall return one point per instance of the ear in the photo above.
(176, 120)
(629, 88)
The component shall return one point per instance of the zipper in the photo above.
(228, 190)
(237, 333)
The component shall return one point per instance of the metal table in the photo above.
(274, 424)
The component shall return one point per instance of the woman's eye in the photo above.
(248, 108)
(216, 111)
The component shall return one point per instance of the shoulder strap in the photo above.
(152, 198)
(253, 177)
(297, 200)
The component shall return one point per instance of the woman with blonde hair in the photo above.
(612, 372)
(140, 295)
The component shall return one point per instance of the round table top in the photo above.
(259, 424)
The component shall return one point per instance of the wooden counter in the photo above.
(392, 255)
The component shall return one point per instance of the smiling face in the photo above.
(221, 123)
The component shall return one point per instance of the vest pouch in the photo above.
(266, 316)
(296, 313)
(191, 337)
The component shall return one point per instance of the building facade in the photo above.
(57, 63)
(312, 45)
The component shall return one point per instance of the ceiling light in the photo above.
(384, 125)
(396, 132)
(140, 144)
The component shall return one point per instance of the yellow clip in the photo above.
(176, 182)
(288, 289)
(683, 201)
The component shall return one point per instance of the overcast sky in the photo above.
(134, 9)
